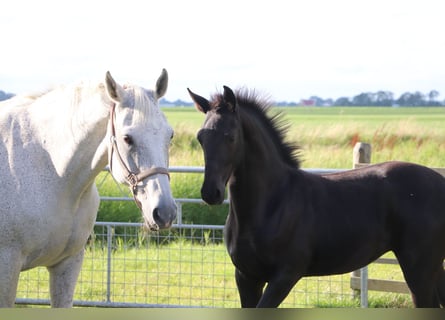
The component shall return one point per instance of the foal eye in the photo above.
(128, 140)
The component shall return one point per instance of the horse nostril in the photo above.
(212, 195)
(217, 194)
(163, 218)
(156, 216)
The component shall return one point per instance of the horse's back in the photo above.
(394, 174)
(407, 188)
(418, 200)
(412, 187)
(23, 161)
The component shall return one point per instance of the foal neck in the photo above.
(261, 166)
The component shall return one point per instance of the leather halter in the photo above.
(132, 178)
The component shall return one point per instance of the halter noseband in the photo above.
(132, 178)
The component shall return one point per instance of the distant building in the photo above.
(308, 102)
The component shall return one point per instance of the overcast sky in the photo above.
(288, 49)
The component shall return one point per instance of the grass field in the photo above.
(327, 135)
(179, 272)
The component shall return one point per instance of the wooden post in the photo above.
(361, 156)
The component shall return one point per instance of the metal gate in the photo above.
(186, 266)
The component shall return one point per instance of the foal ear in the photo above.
(114, 90)
(162, 84)
(201, 104)
(229, 98)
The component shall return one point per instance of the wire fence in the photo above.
(186, 266)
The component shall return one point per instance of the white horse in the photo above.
(52, 147)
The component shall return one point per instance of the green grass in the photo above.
(327, 135)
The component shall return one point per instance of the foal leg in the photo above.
(63, 278)
(250, 291)
(277, 290)
(441, 288)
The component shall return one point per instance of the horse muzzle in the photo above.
(160, 217)
(164, 216)
(213, 193)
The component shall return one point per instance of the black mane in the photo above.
(252, 104)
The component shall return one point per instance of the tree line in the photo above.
(366, 99)
(377, 99)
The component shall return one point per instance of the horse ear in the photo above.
(114, 90)
(201, 104)
(162, 84)
(229, 98)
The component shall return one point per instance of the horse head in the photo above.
(138, 151)
(220, 138)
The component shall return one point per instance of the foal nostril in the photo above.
(217, 193)
(212, 195)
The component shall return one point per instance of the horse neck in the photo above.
(74, 136)
(260, 170)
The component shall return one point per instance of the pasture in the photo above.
(326, 137)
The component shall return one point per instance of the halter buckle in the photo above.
(132, 180)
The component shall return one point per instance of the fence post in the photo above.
(361, 155)
(179, 213)
(109, 252)
(364, 287)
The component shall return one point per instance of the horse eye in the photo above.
(128, 140)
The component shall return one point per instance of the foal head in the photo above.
(138, 154)
(238, 129)
(221, 140)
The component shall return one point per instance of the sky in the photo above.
(288, 50)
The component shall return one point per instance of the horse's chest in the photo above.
(247, 256)
(244, 258)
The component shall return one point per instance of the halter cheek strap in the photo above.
(132, 178)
